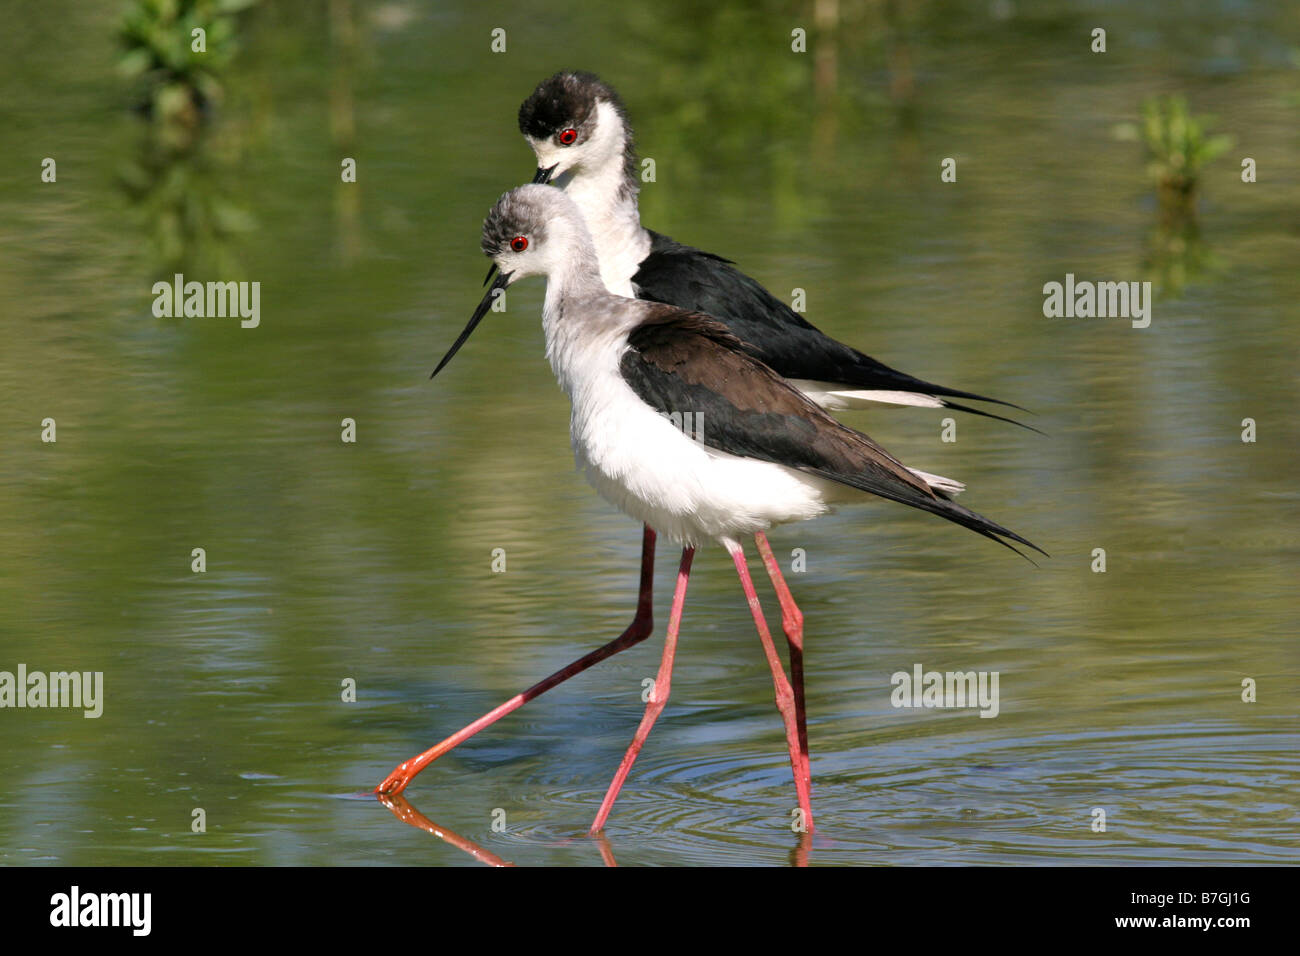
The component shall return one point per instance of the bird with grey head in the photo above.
(533, 230)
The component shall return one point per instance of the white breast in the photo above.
(644, 464)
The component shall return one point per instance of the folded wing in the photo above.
(688, 362)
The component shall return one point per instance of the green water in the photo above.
(372, 561)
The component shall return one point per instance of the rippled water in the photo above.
(372, 561)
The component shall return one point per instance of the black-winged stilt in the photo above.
(766, 454)
(578, 130)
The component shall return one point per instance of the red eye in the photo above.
(519, 243)
(568, 136)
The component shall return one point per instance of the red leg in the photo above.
(792, 624)
(636, 632)
(784, 695)
(658, 696)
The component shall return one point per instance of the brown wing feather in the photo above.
(700, 350)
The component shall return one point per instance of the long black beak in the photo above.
(503, 280)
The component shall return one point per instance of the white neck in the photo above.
(608, 202)
(572, 279)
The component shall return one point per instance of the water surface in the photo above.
(371, 561)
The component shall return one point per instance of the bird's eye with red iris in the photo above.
(519, 243)
(568, 136)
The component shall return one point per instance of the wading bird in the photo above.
(766, 456)
(578, 130)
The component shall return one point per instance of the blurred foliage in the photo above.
(1178, 147)
(178, 82)
(1177, 255)
(187, 210)
(174, 186)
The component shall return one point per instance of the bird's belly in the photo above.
(643, 463)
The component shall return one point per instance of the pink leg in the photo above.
(784, 695)
(792, 624)
(636, 632)
(658, 696)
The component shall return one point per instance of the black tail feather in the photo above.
(941, 504)
(984, 414)
(945, 507)
(938, 391)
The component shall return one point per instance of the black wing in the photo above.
(772, 332)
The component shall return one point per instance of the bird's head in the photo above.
(576, 124)
(532, 230)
